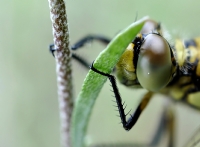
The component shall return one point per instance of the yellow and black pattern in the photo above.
(186, 84)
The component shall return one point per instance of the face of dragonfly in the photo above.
(153, 68)
(126, 70)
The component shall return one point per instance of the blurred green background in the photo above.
(29, 114)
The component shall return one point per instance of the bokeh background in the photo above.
(29, 114)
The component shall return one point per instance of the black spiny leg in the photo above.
(80, 44)
(134, 117)
(165, 126)
(52, 49)
(74, 56)
(90, 38)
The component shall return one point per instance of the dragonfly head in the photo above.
(146, 63)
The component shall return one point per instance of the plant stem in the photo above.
(63, 66)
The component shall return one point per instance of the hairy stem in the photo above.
(63, 66)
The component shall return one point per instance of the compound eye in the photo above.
(149, 26)
(154, 64)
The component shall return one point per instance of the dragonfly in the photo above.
(153, 63)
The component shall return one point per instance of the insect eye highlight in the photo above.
(154, 63)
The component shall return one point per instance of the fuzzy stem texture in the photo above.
(63, 66)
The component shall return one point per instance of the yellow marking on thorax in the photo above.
(180, 51)
(198, 69)
(175, 91)
(183, 53)
(193, 54)
(197, 41)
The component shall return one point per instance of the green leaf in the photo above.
(93, 82)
